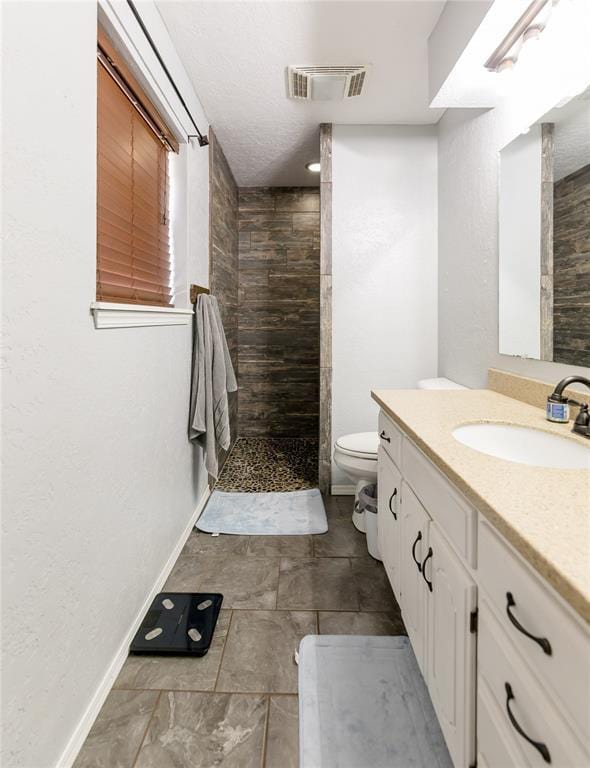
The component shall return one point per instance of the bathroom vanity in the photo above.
(489, 560)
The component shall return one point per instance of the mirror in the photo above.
(544, 238)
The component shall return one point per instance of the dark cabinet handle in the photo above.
(538, 745)
(418, 538)
(383, 436)
(391, 498)
(542, 641)
(426, 559)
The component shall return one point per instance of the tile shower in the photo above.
(278, 312)
(223, 259)
(265, 272)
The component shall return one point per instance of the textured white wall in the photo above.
(468, 161)
(384, 232)
(99, 480)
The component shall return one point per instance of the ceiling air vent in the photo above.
(326, 83)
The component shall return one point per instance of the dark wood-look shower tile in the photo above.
(224, 259)
(270, 237)
(263, 258)
(278, 326)
(256, 199)
(253, 277)
(275, 338)
(299, 201)
(306, 222)
(266, 222)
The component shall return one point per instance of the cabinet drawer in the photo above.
(390, 438)
(496, 745)
(456, 518)
(566, 670)
(524, 705)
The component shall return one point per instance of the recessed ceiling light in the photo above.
(314, 167)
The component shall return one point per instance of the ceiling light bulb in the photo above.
(314, 167)
(532, 33)
(506, 65)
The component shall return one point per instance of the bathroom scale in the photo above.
(178, 623)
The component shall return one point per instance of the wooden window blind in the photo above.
(134, 260)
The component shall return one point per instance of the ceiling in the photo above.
(236, 54)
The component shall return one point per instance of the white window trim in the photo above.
(122, 28)
(107, 315)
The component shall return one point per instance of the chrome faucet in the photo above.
(582, 421)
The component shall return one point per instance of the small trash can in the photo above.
(368, 505)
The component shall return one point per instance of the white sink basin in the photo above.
(524, 445)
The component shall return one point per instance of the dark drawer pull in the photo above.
(418, 538)
(426, 559)
(542, 641)
(391, 498)
(538, 745)
(383, 436)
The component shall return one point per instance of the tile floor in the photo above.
(237, 706)
(263, 464)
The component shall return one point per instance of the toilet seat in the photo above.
(362, 445)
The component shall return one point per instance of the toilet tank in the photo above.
(440, 383)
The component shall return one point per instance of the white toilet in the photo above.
(356, 454)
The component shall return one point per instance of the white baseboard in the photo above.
(343, 490)
(81, 732)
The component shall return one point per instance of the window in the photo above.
(134, 260)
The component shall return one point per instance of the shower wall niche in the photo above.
(278, 311)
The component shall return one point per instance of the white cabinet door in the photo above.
(414, 544)
(388, 522)
(451, 646)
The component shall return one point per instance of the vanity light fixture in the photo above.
(528, 27)
(314, 166)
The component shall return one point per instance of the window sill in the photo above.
(107, 315)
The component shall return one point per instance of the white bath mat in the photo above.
(363, 703)
(294, 513)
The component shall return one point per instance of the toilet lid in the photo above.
(362, 443)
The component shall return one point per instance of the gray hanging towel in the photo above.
(213, 378)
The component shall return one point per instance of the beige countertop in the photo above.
(544, 513)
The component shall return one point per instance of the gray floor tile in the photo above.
(339, 507)
(177, 673)
(282, 739)
(360, 623)
(118, 730)
(185, 576)
(204, 543)
(260, 648)
(374, 589)
(245, 582)
(202, 730)
(317, 584)
(282, 546)
(341, 540)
